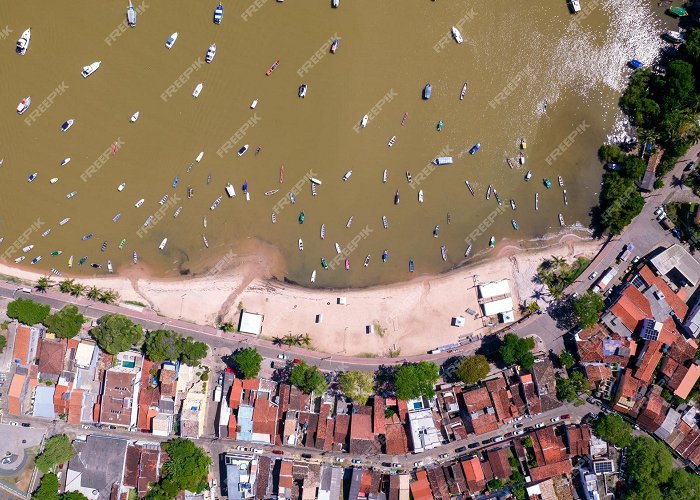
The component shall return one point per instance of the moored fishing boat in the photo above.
(70, 262)
(27, 248)
(510, 162)
(523, 143)
(65, 161)
(273, 67)
(347, 175)
(301, 217)
(204, 222)
(292, 199)
(163, 243)
(134, 117)
(64, 221)
(363, 122)
(104, 246)
(409, 178)
(71, 194)
(55, 272)
(575, 6)
(315, 180)
(443, 252)
(90, 69)
(349, 222)
(134, 257)
(337, 248)
(405, 117)
(677, 11)
(635, 64)
(392, 141)
(468, 251)
(243, 149)
(436, 231)
(139, 203)
(673, 36)
(302, 90)
(561, 220)
(271, 192)
(122, 243)
(566, 202)
(463, 92)
(420, 196)
(397, 198)
(211, 52)
(216, 203)
(24, 105)
(512, 204)
(385, 222)
(46, 233)
(171, 40)
(53, 180)
(95, 265)
(457, 35)
(313, 189)
(197, 90)
(498, 198)
(23, 42)
(469, 187)
(230, 191)
(514, 224)
(176, 181)
(488, 192)
(218, 14)
(86, 237)
(537, 201)
(547, 183)
(385, 176)
(274, 217)
(56, 253)
(347, 264)
(19, 259)
(121, 187)
(427, 91)
(324, 263)
(334, 45)
(82, 260)
(36, 259)
(475, 148)
(528, 175)
(439, 126)
(323, 231)
(313, 276)
(163, 199)
(130, 16)
(411, 266)
(385, 255)
(521, 158)
(190, 192)
(492, 242)
(561, 181)
(206, 243)
(301, 245)
(67, 124)
(109, 266)
(116, 217)
(367, 260)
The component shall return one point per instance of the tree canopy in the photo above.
(27, 311)
(57, 450)
(115, 333)
(587, 308)
(308, 378)
(187, 468)
(472, 369)
(167, 345)
(247, 362)
(66, 323)
(649, 463)
(3, 343)
(48, 488)
(568, 389)
(415, 380)
(357, 385)
(515, 350)
(613, 429)
(566, 359)
(192, 351)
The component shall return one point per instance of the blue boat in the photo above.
(427, 91)
(411, 267)
(176, 181)
(218, 14)
(635, 64)
(87, 236)
(474, 148)
(385, 256)
(245, 186)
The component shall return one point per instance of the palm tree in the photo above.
(558, 261)
(78, 289)
(66, 285)
(108, 296)
(93, 293)
(43, 284)
(305, 340)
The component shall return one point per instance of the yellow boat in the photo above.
(70, 261)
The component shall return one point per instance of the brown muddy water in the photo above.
(515, 59)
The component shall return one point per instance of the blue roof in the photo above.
(245, 422)
(610, 347)
(43, 402)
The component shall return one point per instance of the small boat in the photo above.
(324, 263)
(385, 222)
(313, 189)
(90, 69)
(537, 201)
(70, 262)
(204, 222)
(271, 192)
(468, 251)
(139, 203)
(65, 161)
(635, 64)
(109, 266)
(122, 243)
(575, 6)
(443, 252)
(274, 217)
(409, 178)
(199, 156)
(411, 266)
(523, 144)
(71, 194)
(171, 41)
(215, 204)
(392, 141)
(253, 105)
(176, 181)
(397, 198)
(457, 35)
(55, 271)
(209, 179)
(566, 202)
(243, 149)
(315, 180)
(347, 264)
(492, 242)
(190, 192)
(474, 148)
(427, 91)
(292, 199)
(335, 3)
(561, 182)
(86, 237)
(134, 257)
(385, 176)
(281, 174)
(163, 243)
(385, 256)
(301, 245)
(510, 162)
(121, 187)
(673, 36)
(273, 67)
(244, 187)
(323, 231)
(24, 105)
(436, 231)
(163, 199)
(211, 52)
(197, 90)
(498, 198)
(53, 180)
(302, 90)
(439, 126)
(677, 11)
(104, 246)
(131, 15)
(56, 252)
(301, 217)
(36, 259)
(449, 217)
(27, 248)
(521, 158)
(547, 183)
(334, 45)
(67, 124)
(96, 266)
(19, 259)
(134, 117)
(46, 233)
(64, 221)
(116, 217)
(528, 175)
(514, 224)
(488, 192)
(512, 204)
(363, 122)
(82, 260)
(349, 223)
(337, 248)
(206, 243)
(561, 220)
(469, 187)
(23, 42)
(367, 260)
(420, 196)
(463, 92)
(405, 117)
(313, 276)
(218, 14)
(347, 175)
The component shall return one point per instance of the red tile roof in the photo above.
(689, 380)
(16, 394)
(342, 426)
(478, 399)
(631, 308)
(596, 373)
(168, 382)
(420, 489)
(683, 350)
(549, 448)
(474, 474)
(264, 417)
(232, 427)
(285, 477)
(61, 400)
(22, 340)
(378, 418)
(650, 359)
(51, 355)
(117, 398)
(75, 407)
(551, 470)
(234, 400)
(579, 439)
(498, 459)
(654, 412)
(396, 439)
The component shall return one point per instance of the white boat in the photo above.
(71, 194)
(561, 220)
(213, 206)
(337, 248)
(561, 181)
(463, 92)
(67, 124)
(392, 141)
(335, 3)
(302, 90)
(205, 222)
(314, 191)
(313, 276)
(537, 201)
(163, 243)
(274, 217)
(385, 222)
(315, 180)
(206, 243)
(171, 40)
(457, 35)
(130, 16)
(349, 222)
(521, 159)
(139, 203)
(323, 231)
(566, 202)
(218, 14)
(673, 36)
(211, 52)
(53, 180)
(420, 196)
(247, 196)
(528, 175)
(253, 104)
(575, 6)
(243, 149)
(197, 90)
(46, 233)
(109, 266)
(65, 161)
(27, 248)
(33, 176)
(230, 191)
(385, 176)
(90, 69)
(121, 187)
(443, 160)
(347, 175)
(199, 156)
(364, 121)
(24, 105)
(164, 199)
(177, 212)
(134, 117)
(301, 245)
(20, 259)
(64, 221)
(23, 42)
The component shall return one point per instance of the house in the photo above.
(168, 380)
(629, 393)
(546, 384)
(474, 474)
(361, 436)
(578, 438)
(532, 399)
(97, 465)
(43, 402)
(502, 398)
(647, 360)
(241, 475)
(51, 355)
(654, 411)
(690, 377)
(141, 467)
(424, 434)
(17, 394)
(118, 406)
(677, 265)
(481, 413)
(420, 488)
(548, 447)
(26, 342)
(84, 354)
(498, 461)
(330, 484)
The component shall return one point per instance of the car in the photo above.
(566, 417)
(296, 361)
(498, 439)
(518, 419)
(418, 464)
(540, 425)
(306, 455)
(675, 232)
(444, 455)
(85, 426)
(460, 449)
(278, 452)
(13, 423)
(554, 419)
(517, 426)
(356, 461)
(507, 435)
(658, 210)
(636, 259)
(386, 464)
(282, 356)
(636, 427)
(214, 483)
(593, 275)
(258, 450)
(396, 465)
(661, 216)
(690, 166)
(518, 433)
(472, 445)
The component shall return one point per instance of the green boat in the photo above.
(515, 224)
(439, 126)
(301, 218)
(547, 183)
(324, 264)
(82, 260)
(677, 11)
(122, 243)
(492, 242)
(56, 252)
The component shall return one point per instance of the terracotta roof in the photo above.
(498, 459)
(631, 308)
(680, 308)
(61, 398)
(23, 338)
(264, 417)
(478, 399)
(690, 446)
(342, 426)
(378, 418)
(579, 439)
(117, 398)
(650, 359)
(403, 410)
(669, 366)
(75, 407)
(596, 373)
(420, 488)
(438, 484)
(549, 448)
(51, 356)
(285, 477)
(689, 380)
(683, 350)
(322, 429)
(534, 406)
(396, 439)
(16, 394)
(234, 400)
(654, 412)
(551, 470)
(459, 482)
(251, 384)
(474, 474)
(168, 382)
(232, 427)
(591, 347)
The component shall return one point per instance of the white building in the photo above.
(424, 435)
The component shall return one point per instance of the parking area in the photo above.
(18, 449)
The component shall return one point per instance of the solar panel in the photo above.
(602, 467)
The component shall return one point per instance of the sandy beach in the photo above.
(412, 317)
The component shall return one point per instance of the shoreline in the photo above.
(412, 316)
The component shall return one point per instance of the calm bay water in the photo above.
(514, 60)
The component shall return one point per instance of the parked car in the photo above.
(356, 461)
(282, 356)
(278, 452)
(507, 435)
(554, 419)
(258, 450)
(498, 439)
(593, 275)
(444, 455)
(689, 166)
(338, 459)
(517, 426)
(541, 424)
(473, 445)
(396, 465)
(518, 433)
(418, 464)
(675, 232)
(658, 210)
(566, 417)
(13, 423)
(306, 455)
(460, 449)
(26, 424)
(636, 259)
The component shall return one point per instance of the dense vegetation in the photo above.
(568, 389)
(472, 369)
(587, 308)
(66, 323)
(27, 311)
(308, 378)
(557, 274)
(514, 350)
(115, 333)
(58, 450)
(247, 362)
(415, 380)
(613, 429)
(48, 490)
(357, 385)
(166, 345)
(567, 359)
(683, 217)
(186, 469)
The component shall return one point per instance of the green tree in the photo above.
(58, 450)
(357, 385)
(587, 308)
(514, 350)
(73, 495)
(162, 345)
(3, 343)
(472, 369)
(566, 359)
(683, 485)
(191, 351)
(66, 323)
(568, 389)
(108, 296)
(77, 290)
(48, 488)
(415, 380)
(115, 333)
(93, 293)
(638, 101)
(308, 378)
(43, 284)
(247, 362)
(679, 86)
(66, 285)
(609, 153)
(27, 311)
(187, 468)
(613, 429)
(649, 463)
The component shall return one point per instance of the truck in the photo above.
(667, 224)
(626, 252)
(218, 393)
(605, 280)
